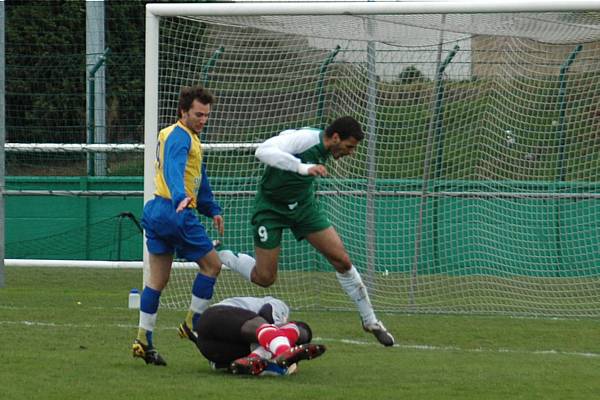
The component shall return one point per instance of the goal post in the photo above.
(476, 188)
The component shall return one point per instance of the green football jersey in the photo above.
(288, 186)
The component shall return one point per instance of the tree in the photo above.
(410, 75)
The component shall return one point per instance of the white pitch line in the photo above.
(424, 347)
(427, 347)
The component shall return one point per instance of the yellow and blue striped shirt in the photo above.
(180, 172)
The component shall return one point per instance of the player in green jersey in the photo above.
(286, 200)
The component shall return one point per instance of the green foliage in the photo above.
(46, 76)
(125, 37)
(411, 74)
(45, 64)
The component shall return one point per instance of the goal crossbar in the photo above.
(370, 8)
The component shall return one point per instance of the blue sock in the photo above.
(202, 288)
(149, 302)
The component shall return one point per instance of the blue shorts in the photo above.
(169, 232)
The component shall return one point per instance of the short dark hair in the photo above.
(305, 333)
(345, 127)
(190, 93)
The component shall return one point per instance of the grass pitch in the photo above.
(67, 333)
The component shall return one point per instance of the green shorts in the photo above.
(271, 218)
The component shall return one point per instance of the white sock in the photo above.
(262, 353)
(355, 288)
(240, 263)
(147, 321)
(199, 305)
(279, 344)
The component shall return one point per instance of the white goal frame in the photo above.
(155, 11)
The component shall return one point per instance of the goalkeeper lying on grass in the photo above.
(252, 336)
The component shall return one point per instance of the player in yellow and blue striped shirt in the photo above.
(169, 221)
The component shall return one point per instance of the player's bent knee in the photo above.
(158, 284)
(264, 283)
(214, 269)
(210, 265)
(263, 280)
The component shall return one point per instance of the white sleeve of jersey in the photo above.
(279, 150)
(281, 311)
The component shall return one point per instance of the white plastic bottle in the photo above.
(134, 298)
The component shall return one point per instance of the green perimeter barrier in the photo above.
(500, 235)
(68, 227)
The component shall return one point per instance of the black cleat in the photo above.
(185, 332)
(248, 366)
(295, 354)
(381, 334)
(148, 354)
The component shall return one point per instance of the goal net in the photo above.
(477, 187)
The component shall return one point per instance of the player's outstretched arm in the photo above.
(279, 151)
